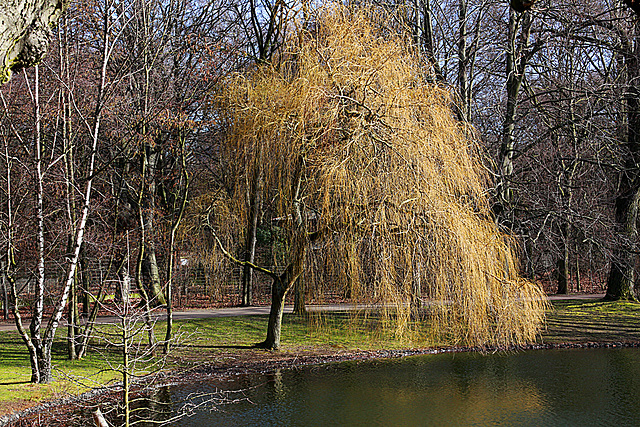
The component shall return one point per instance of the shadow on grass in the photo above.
(577, 320)
(237, 347)
(15, 383)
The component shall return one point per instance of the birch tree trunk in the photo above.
(38, 306)
(40, 344)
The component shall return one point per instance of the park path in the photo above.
(263, 310)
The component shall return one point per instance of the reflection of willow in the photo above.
(481, 402)
(368, 167)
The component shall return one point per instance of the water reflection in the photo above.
(564, 387)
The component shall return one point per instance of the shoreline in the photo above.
(283, 360)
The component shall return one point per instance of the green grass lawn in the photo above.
(592, 321)
(196, 340)
(203, 340)
(70, 376)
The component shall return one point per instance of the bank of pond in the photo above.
(579, 387)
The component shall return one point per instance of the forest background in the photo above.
(115, 175)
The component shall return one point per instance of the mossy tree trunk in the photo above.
(621, 280)
(281, 285)
(24, 32)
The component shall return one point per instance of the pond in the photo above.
(535, 388)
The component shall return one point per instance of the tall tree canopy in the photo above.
(367, 165)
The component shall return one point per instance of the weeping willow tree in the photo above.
(365, 163)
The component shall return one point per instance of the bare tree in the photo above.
(40, 341)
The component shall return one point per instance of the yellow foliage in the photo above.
(389, 176)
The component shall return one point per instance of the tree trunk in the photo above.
(423, 36)
(563, 260)
(274, 328)
(152, 275)
(621, 280)
(172, 238)
(577, 272)
(150, 160)
(299, 304)
(33, 357)
(283, 283)
(565, 184)
(620, 283)
(416, 288)
(255, 206)
(516, 57)
(279, 289)
(5, 294)
(24, 32)
(70, 185)
(463, 107)
(44, 364)
(8, 274)
(150, 262)
(38, 306)
(72, 321)
(84, 279)
(43, 344)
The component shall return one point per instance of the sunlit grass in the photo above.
(70, 377)
(597, 321)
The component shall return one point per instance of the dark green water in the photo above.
(599, 387)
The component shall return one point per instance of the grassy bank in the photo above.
(231, 338)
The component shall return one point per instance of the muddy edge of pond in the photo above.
(233, 364)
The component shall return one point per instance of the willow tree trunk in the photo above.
(24, 32)
(284, 282)
(299, 303)
(279, 289)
